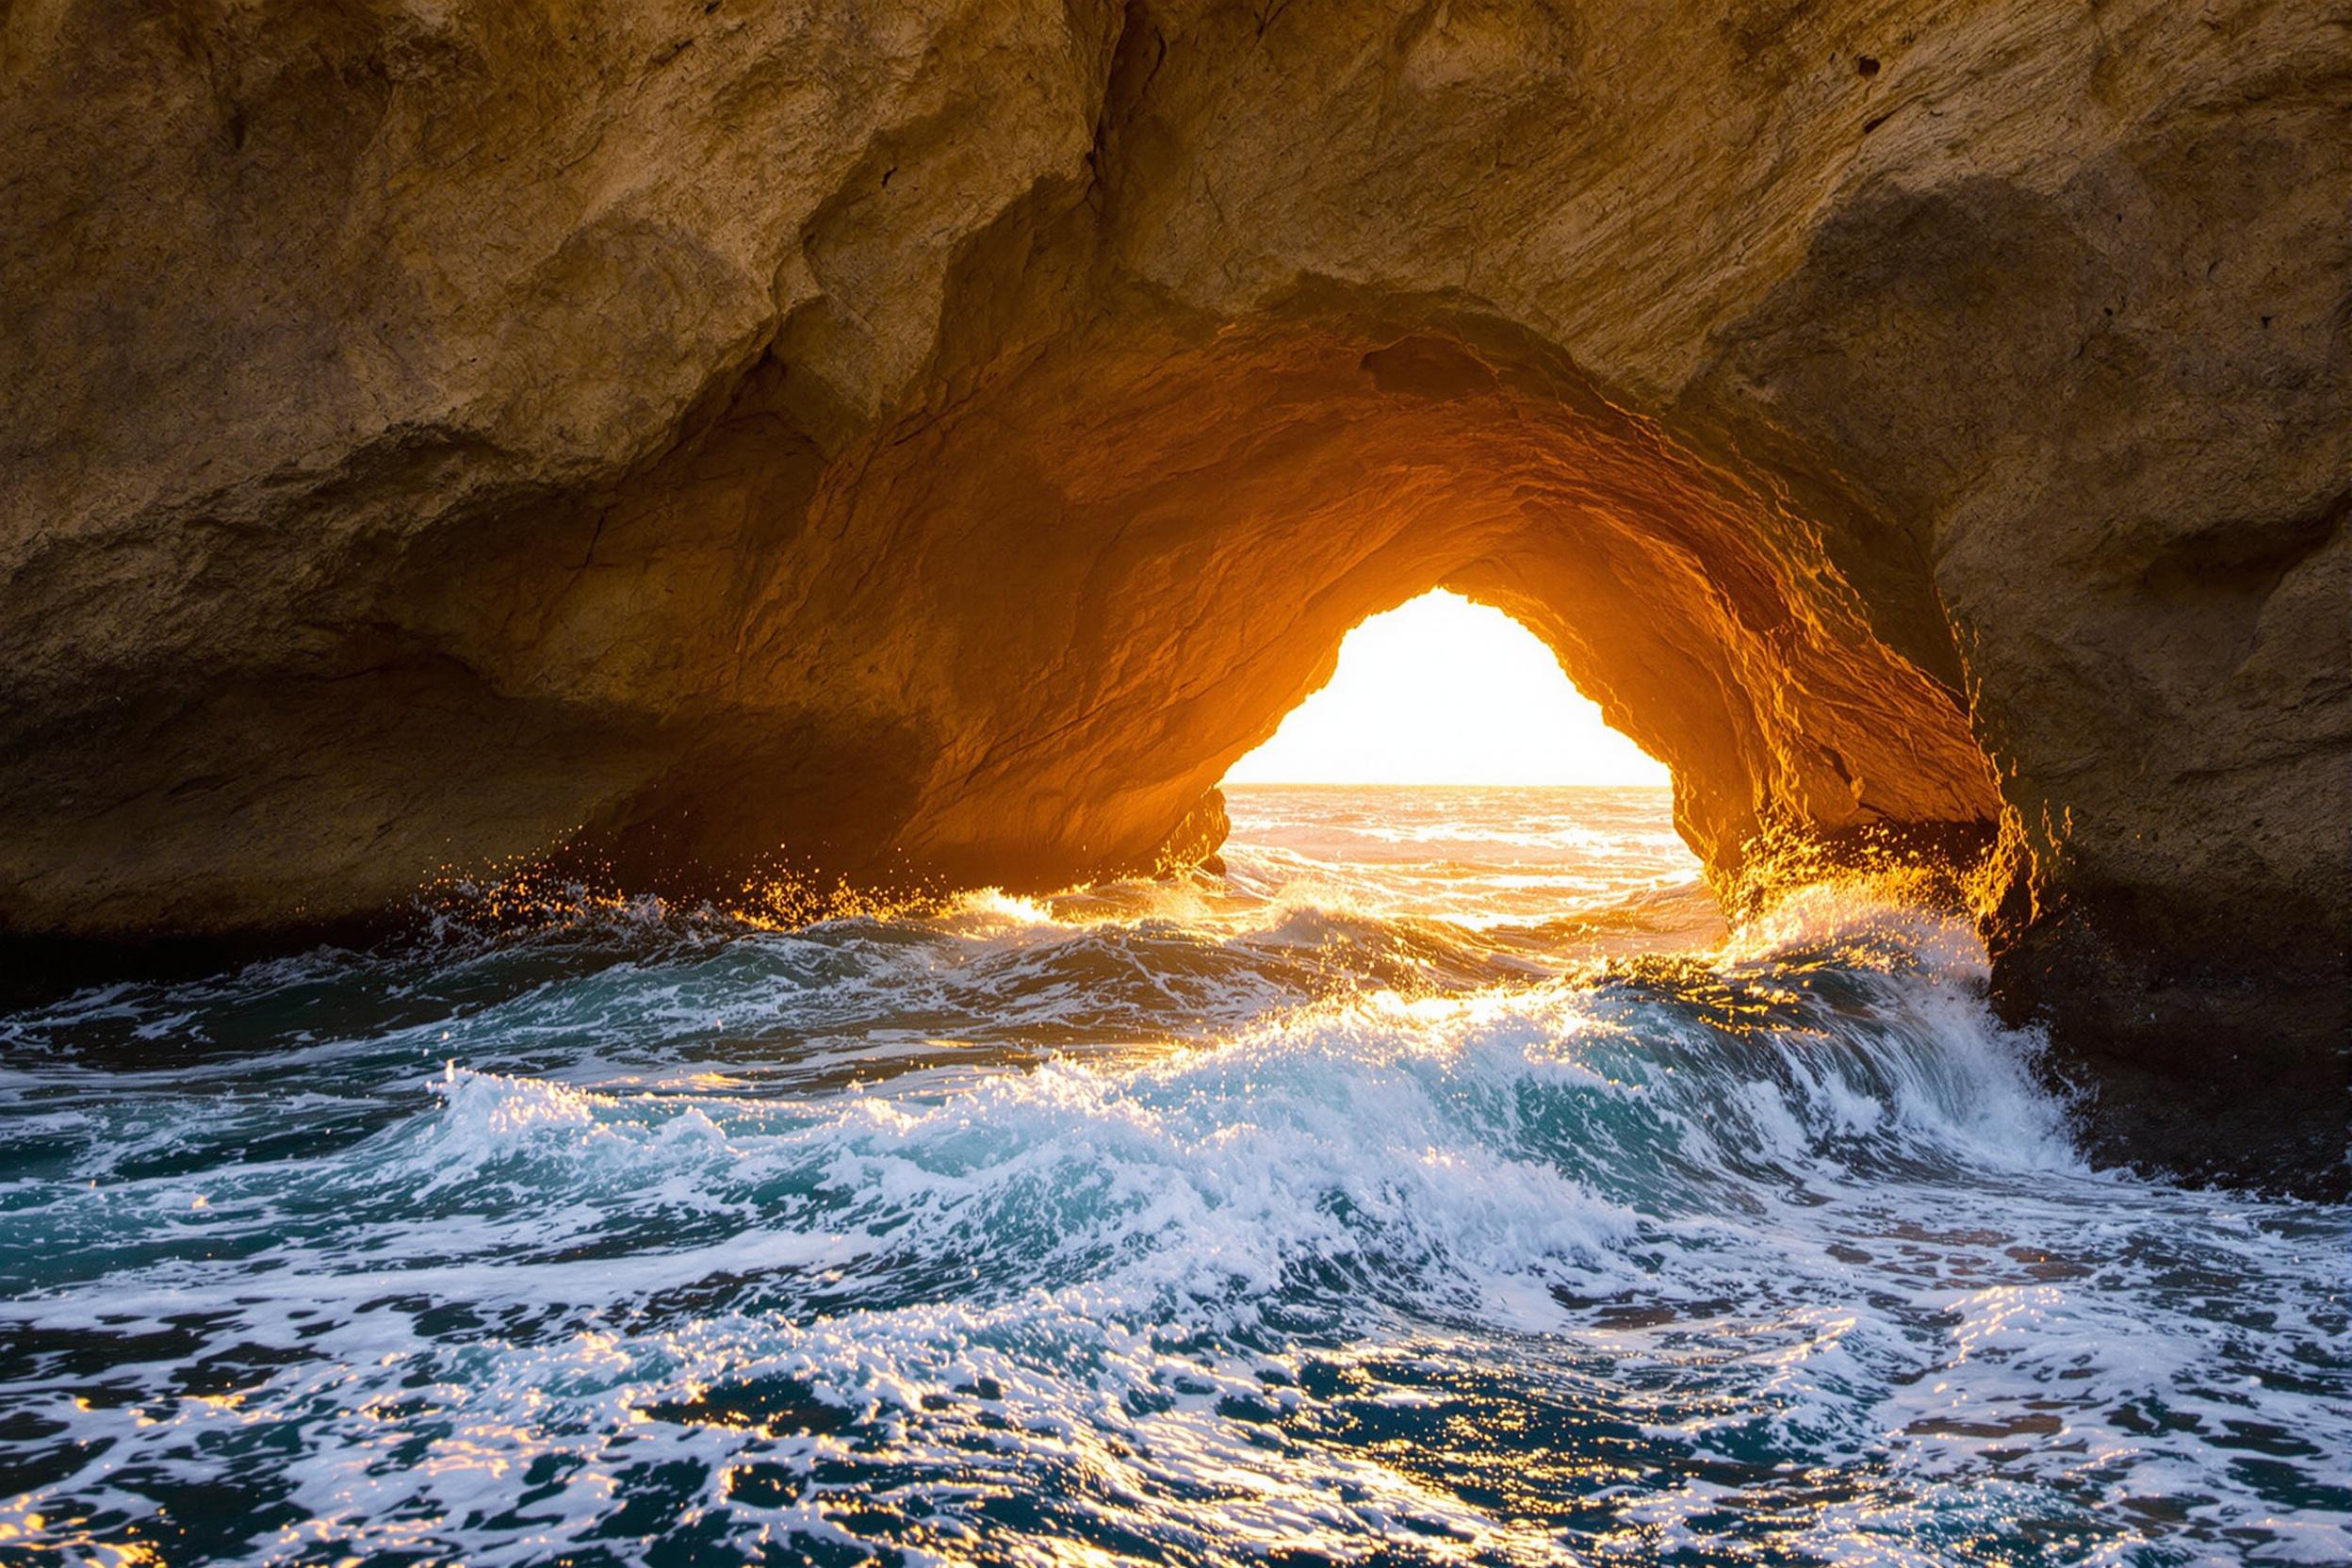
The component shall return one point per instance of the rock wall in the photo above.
(922, 440)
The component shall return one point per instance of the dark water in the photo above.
(1445, 1186)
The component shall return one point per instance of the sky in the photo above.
(1441, 690)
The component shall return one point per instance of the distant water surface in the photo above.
(1442, 1186)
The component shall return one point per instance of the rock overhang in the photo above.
(953, 494)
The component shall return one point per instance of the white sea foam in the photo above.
(1777, 1252)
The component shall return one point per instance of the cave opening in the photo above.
(1441, 690)
(1449, 770)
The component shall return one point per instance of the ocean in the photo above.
(1443, 1183)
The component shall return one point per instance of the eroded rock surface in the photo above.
(922, 440)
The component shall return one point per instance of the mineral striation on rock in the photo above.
(931, 439)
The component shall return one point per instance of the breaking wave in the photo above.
(1292, 1217)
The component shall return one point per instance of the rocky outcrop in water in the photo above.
(932, 440)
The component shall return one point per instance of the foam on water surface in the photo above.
(1193, 1223)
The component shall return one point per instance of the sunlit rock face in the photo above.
(926, 441)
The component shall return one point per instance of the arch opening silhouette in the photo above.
(1445, 691)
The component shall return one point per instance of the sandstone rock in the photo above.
(929, 441)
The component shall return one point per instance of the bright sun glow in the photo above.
(1441, 690)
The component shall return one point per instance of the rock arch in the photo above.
(939, 436)
(1109, 572)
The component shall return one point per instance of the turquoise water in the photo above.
(1442, 1186)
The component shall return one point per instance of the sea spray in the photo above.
(1197, 1223)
